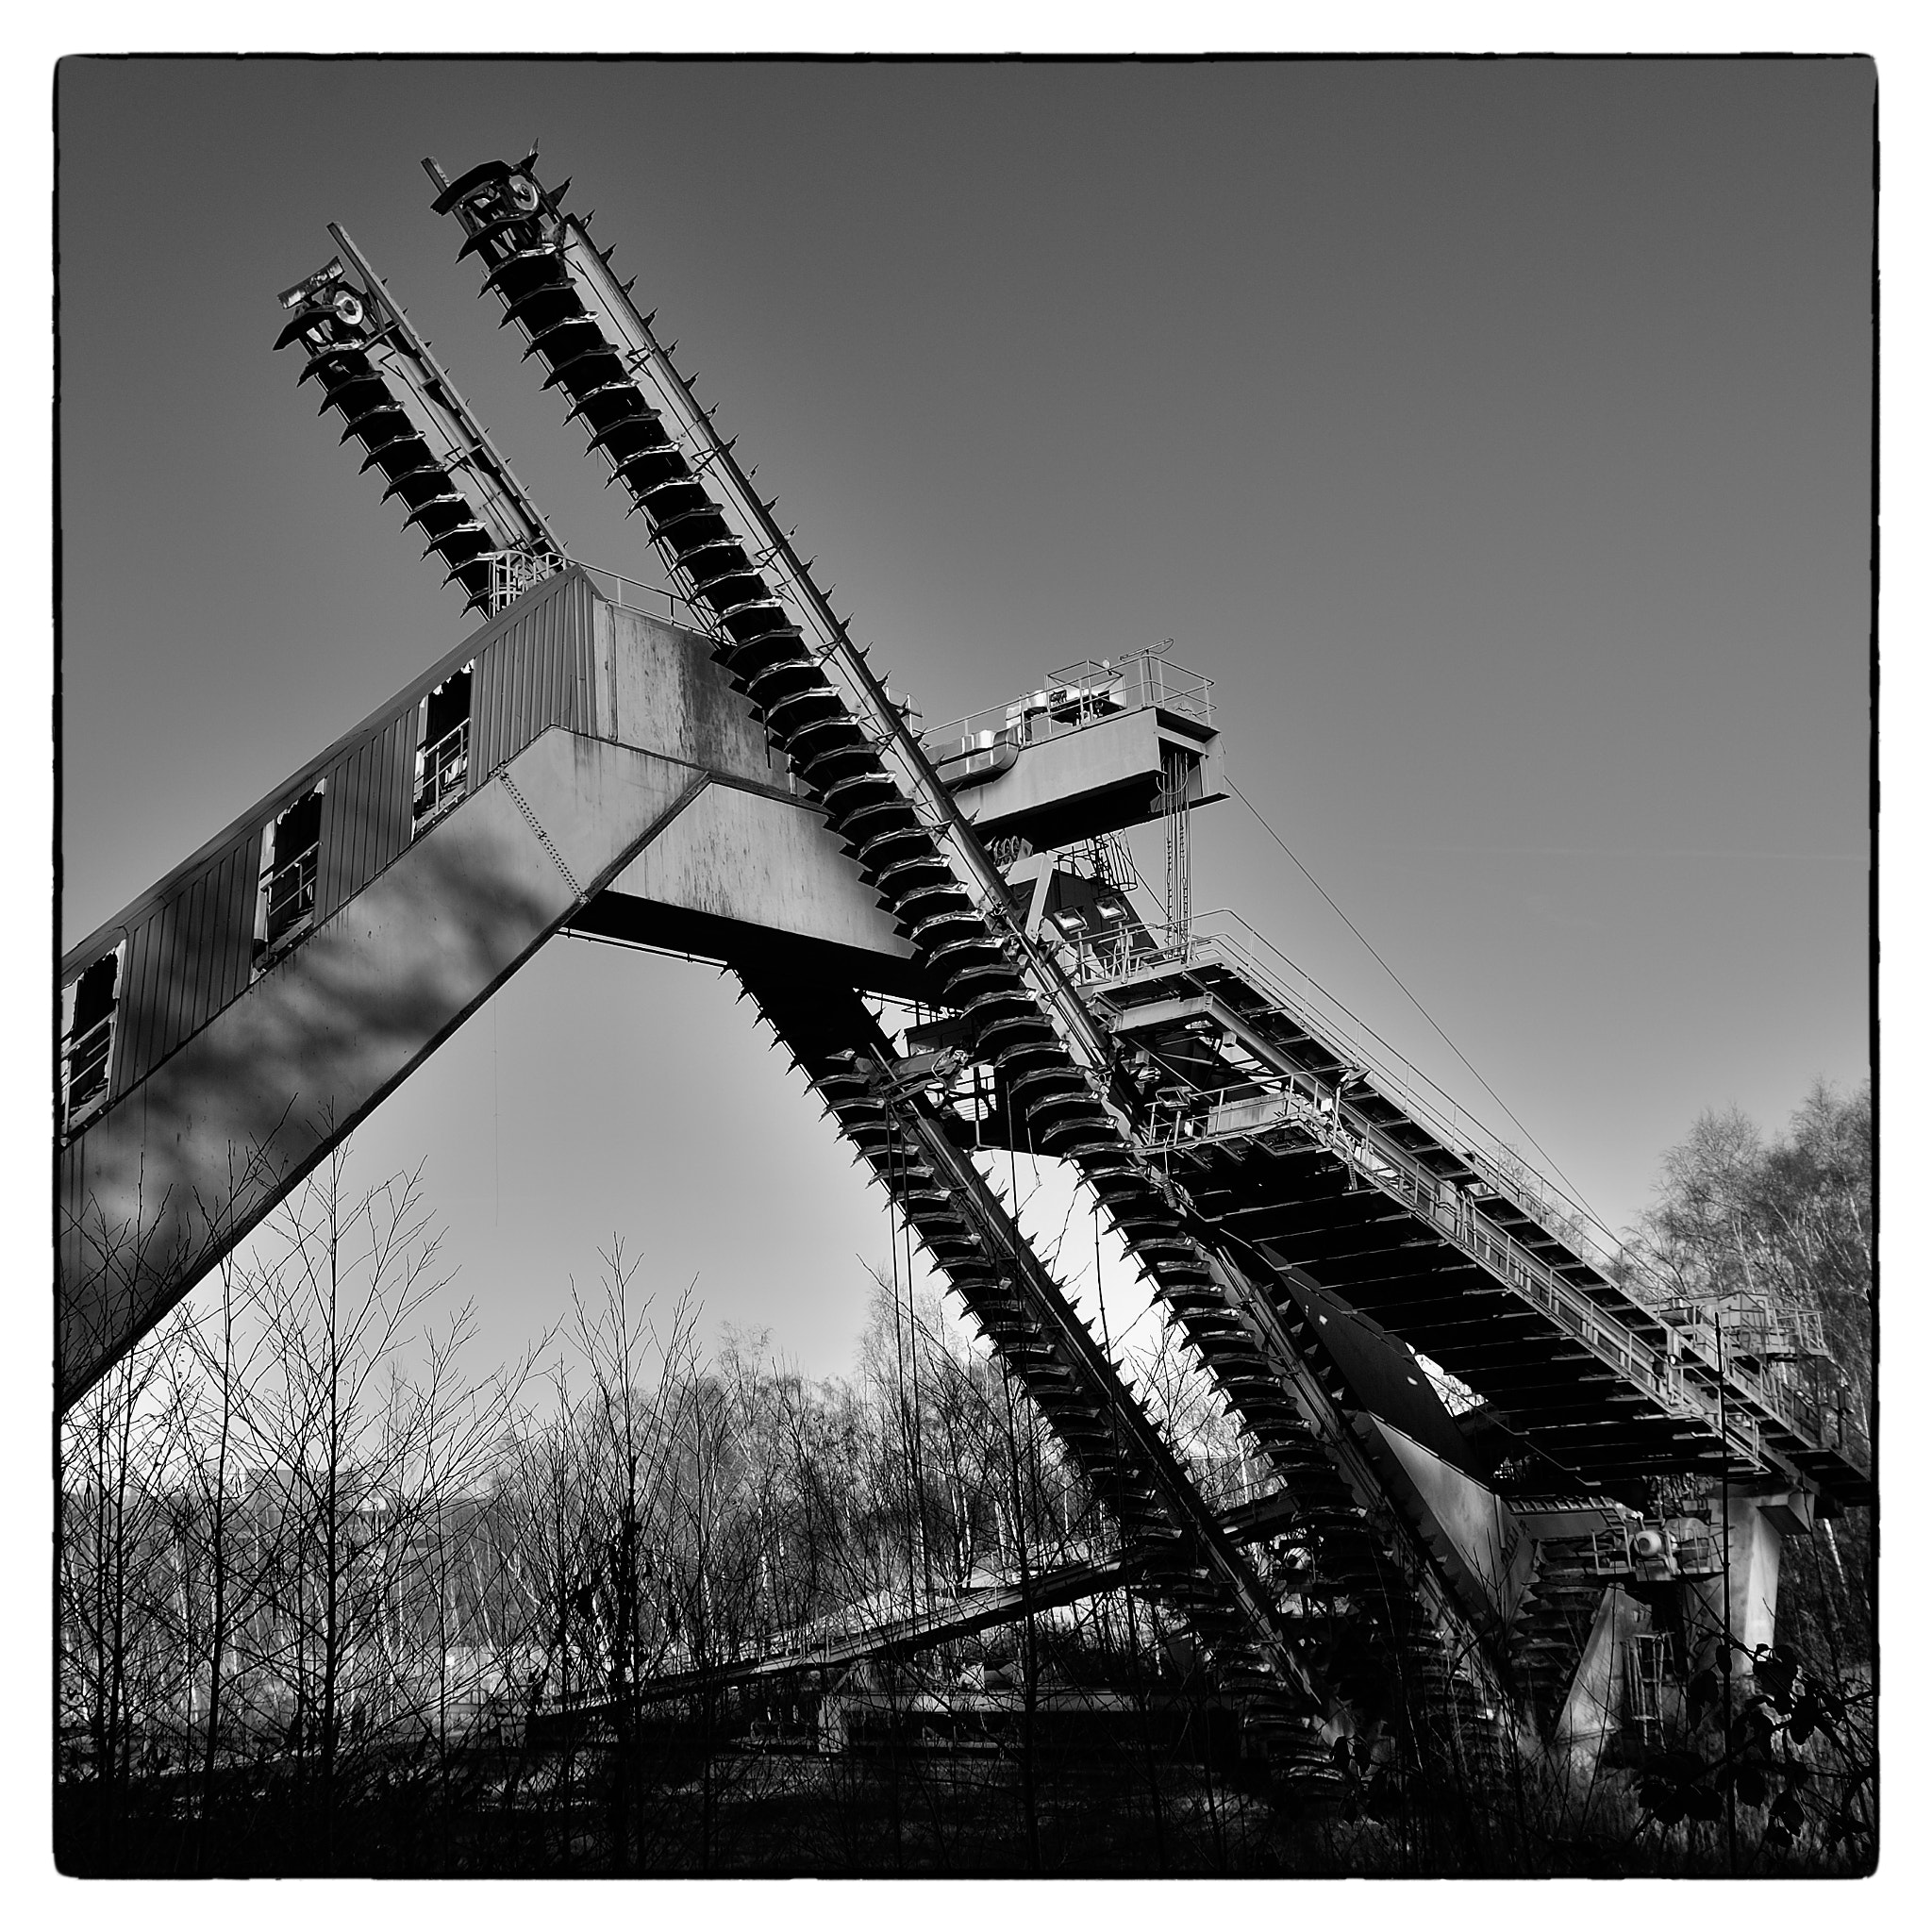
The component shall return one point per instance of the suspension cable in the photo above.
(1417, 1004)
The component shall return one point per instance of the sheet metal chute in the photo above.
(415, 427)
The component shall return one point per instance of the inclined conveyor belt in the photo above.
(909, 1146)
(1311, 1160)
(380, 420)
(420, 440)
(899, 823)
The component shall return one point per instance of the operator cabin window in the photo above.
(285, 907)
(442, 747)
(86, 1040)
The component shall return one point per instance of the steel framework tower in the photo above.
(741, 784)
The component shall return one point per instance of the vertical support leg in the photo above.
(1175, 769)
(1754, 1533)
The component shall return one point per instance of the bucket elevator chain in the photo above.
(414, 425)
(856, 758)
(904, 1139)
(1212, 1595)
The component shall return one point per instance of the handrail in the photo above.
(299, 894)
(1075, 696)
(85, 1057)
(441, 770)
(1311, 1007)
(1643, 1293)
(691, 616)
(76, 1046)
(1322, 1114)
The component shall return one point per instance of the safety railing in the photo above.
(1225, 938)
(84, 1058)
(1078, 696)
(1751, 1324)
(1321, 1114)
(1649, 1550)
(653, 600)
(291, 893)
(513, 571)
(442, 770)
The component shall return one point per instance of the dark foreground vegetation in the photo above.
(329, 1605)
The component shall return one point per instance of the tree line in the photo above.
(330, 1601)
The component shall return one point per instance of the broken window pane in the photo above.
(86, 1044)
(443, 756)
(292, 849)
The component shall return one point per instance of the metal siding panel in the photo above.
(197, 928)
(543, 669)
(530, 703)
(482, 720)
(349, 840)
(183, 959)
(536, 679)
(389, 827)
(154, 979)
(516, 674)
(499, 704)
(184, 962)
(500, 667)
(536, 675)
(492, 737)
(167, 1004)
(503, 743)
(382, 794)
(506, 699)
(191, 961)
(564, 657)
(398, 787)
(583, 665)
(479, 724)
(336, 861)
(164, 995)
(188, 952)
(188, 956)
(525, 677)
(137, 1006)
(237, 919)
(480, 714)
(569, 656)
(235, 928)
(472, 649)
(486, 710)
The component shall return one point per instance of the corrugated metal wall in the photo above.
(187, 960)
(190, 941)
(535, 674)
(365, 812)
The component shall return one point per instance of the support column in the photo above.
(1754, 1533)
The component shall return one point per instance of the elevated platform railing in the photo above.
(1075, 697)
(653, 600)
(1226, 937)
(1322, 1113)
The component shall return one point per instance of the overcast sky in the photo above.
(1496, 436)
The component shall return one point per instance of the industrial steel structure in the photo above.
(732, 779)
